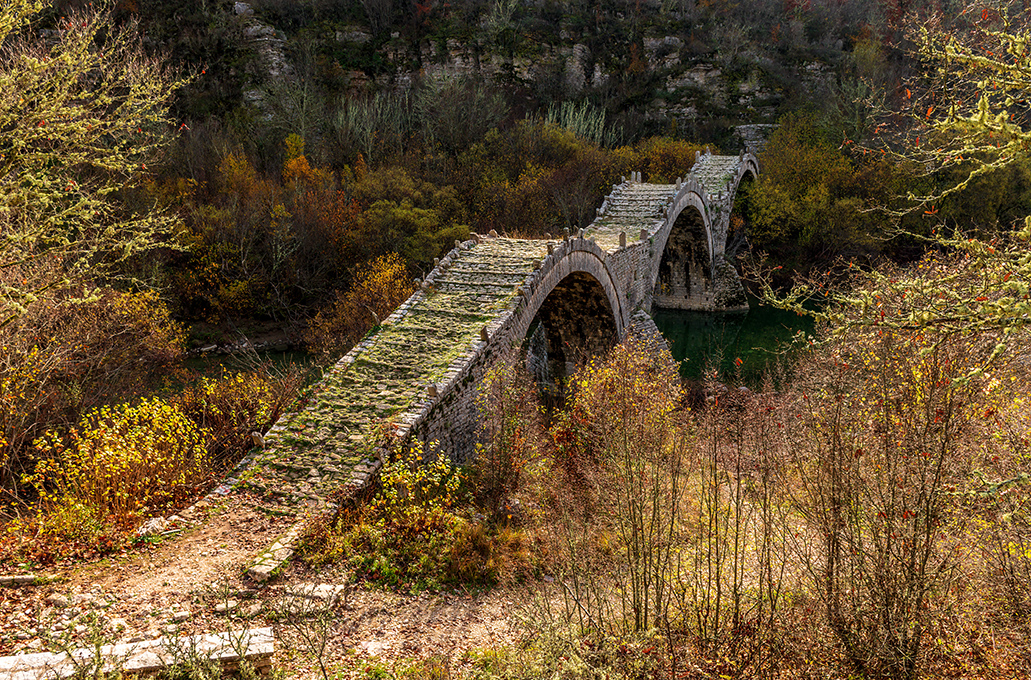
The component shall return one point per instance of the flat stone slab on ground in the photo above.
(255, 646)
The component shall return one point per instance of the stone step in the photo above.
(483, 272)
(465, 315)
(255, 646)
(497, 292)
(634, 214)
(410, 369)
(498, 262)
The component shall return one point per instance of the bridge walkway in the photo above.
(408, 374)
(331, 441)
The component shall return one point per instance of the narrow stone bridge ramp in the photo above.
(388, 383)
(415, 375)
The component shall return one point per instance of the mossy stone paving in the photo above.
(716, 173)
(630, 208)
(312, 452)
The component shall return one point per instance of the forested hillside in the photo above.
(381, 126)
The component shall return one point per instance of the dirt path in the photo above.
(180, 584)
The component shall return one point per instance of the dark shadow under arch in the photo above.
(737, 230)
(575, 323)
(685, 270)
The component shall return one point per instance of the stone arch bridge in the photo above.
(651, 245)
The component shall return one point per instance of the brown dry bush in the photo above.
(868, 519)
(906, 454)
(660, 529)
(608, 528)
(74, 351)
(735, 574)
(513, 436)
(876, 432)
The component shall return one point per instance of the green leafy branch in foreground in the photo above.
(965, 286)
(965, 116)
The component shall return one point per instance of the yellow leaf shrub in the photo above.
(124, 461)
(380, 285)
(231, 406)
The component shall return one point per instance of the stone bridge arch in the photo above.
(416, 375)
(736, 240)
(573, 310)
(685, 247)
(692, 269)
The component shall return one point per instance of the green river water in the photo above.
(704, 340)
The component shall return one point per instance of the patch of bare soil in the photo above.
(141, 592)
(191, 581)
(374, 627)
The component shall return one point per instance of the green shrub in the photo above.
(97, 481)
(414, 535)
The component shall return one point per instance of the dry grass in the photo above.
(870, 519)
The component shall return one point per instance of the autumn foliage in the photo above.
(379, 287)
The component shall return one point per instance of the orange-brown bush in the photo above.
(379, 287)
(68, 355)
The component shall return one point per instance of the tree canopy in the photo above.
(969, 119)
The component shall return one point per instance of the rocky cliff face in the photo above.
(681, 87)
(676, 81)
